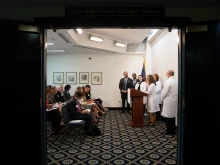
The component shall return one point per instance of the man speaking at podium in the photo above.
(124, 84)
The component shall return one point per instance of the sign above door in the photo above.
(114, 11)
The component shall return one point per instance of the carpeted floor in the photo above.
(119, 144)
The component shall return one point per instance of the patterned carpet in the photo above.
(119, 144)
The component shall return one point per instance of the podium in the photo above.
(137, 107)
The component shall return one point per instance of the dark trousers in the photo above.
(124, 97)
(170, 124)
(158, 114)
(55, 117)
(88, 120)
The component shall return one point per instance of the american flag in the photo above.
(143, 73)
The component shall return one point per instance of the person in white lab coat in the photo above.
(142, 86)
(152, 101)
(169, 96)
(158, 91)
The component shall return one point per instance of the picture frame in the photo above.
(58, 77)
(83, 77)
(96, 78)
(71, 77)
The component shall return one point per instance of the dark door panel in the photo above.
(21, 88)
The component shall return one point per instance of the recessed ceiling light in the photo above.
(120, 44)
(97, 39)
(50, 43)
(55, 50)
(79, 30)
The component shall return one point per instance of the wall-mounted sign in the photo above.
(148, 11)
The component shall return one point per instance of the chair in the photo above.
(72, 123)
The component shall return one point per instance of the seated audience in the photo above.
(60, 94)
(98, 101)
(66, 92)
(91, 101)
(52, 100)
(53, 115)
(82, 115)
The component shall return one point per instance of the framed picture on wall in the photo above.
(71, 77)
(58, 77)
(96, 78)
(83, 77)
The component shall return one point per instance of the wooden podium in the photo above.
(137, 107)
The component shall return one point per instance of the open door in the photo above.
(22, 64)
(201, 42)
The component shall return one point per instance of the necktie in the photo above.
(125, 83)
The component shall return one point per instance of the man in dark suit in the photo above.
(135, 80)
(82, 115)
(124, 84)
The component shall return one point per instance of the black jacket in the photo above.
(129, 84)
(60, 97)
(71, 107)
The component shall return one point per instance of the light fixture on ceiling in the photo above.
(55, 50)
(97, 39)
(79, 30)
(120, 44)
(152, 33)
(49, 43)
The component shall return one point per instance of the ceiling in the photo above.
(74, 43)
(107, 3)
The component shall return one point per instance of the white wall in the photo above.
(163, 54)
(112, 67)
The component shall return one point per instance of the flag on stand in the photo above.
(143, 71)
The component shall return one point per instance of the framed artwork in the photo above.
(84, 77)
(96, 78)
(58, 77)
(71, 77)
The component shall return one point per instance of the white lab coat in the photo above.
(169, 96)
(152, 101)
(143, 88)
(158, 91)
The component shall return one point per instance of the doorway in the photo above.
(85, 56)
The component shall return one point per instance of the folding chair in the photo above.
(72, 123)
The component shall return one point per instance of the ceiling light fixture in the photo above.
(120, 44)
(79, 30)
(55, 50)
(50, 43)
(97, 39)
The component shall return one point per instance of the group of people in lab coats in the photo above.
(158, 96)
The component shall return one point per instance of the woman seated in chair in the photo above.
(86, 105)
(84, 101)
(80, 115)
(51, 99)
(98, 101)
(53, 115)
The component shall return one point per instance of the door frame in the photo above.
(125, 22)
